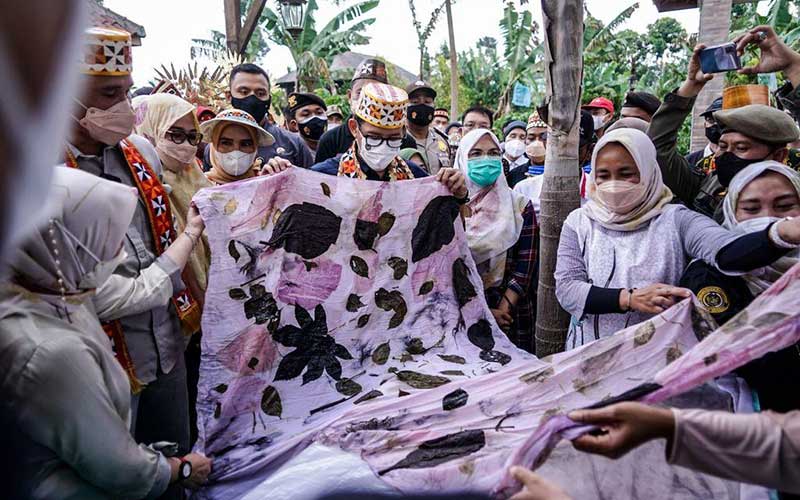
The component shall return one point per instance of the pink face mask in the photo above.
(621, 197)
(111, 125)
(174, 155)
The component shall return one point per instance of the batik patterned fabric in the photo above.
(382, 105)
(107, 52)
(349, 314)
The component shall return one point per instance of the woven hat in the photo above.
(745, 95)
(241, 118)
(371, 69)
(534, 121)
(382, 105)
(106, 52)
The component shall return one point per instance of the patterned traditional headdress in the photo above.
(534, 121)
(107, 52)
(382, 105)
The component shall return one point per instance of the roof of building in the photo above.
(344, 64)
(103, 16)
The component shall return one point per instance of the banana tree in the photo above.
(522, 51)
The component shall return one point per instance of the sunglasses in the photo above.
(180, 136)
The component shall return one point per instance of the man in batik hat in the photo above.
(149, 344)
(337, 141)
(441, 119)
(749, 134)
(378, 125)
(430, 142)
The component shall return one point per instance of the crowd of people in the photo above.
(123, 255)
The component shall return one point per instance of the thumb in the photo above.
(523, 475)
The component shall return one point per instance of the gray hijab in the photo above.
(80, 239)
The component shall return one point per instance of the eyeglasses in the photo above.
(372, 142)
(181, 136)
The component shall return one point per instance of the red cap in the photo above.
(600, 102)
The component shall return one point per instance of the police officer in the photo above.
(429, 140)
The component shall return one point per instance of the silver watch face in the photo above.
(185, 470)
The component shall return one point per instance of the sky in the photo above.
(172, 24)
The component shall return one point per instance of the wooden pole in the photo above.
(453, 65)
(233, 24)
(250, 24)
(563, 29)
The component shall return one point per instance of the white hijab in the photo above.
(653, 198)
(760, 279)
(496, 221)
(81, 235)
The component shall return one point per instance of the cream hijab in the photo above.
(496, 221)
(760, 279)
(653, 198)
(155, 114)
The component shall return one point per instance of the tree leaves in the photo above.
(434, 228)
(462, 286)
(440, 450)
(399, 266)
(455, 399)
(420, 380)
(359, 266)
(271, 402)
(426, 288)
(392, 301)
(644, 334)
(348, 387)
(354, 303)
(306, 229)
(381, 354)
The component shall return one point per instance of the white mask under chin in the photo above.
(378, 158)
(235, 163)
(101, 272)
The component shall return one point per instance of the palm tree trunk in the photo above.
(453, 64)
(563, 28)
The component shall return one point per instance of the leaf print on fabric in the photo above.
(392, 301)
(306, 229)
(415, 346)
(440, 450)
(462, 286)
(703, 324)
(381, 354)
(261, 306)
(538, 376)
(769, 318)
(434, 228)
(455, 399)
(426, 287)
(421, 380)
(315, 350)
(385, 223)
(736, 322)
(237, 294)
(594, 366)
(246, 266)
(644, 334)
(221, 388)
(366, 397)
(359, 266)
(271, 402)
(362, 321)
(233, 251)
(399, 266)
(673, 353)
(354, 303)
(452, 358)
(495, 357)
(480, 334)
(348, 387)
(326, 189)
(365, 234)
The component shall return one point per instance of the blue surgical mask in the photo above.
(485, 170)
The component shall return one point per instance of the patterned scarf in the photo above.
(350, 166)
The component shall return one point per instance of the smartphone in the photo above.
(720, 58)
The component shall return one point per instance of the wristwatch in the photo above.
(184, 470)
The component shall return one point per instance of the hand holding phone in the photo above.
(720, 58)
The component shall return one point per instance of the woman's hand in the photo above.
(775, 54)
(653, 299)
(454, 180)
(194, 222)
(695, 78)
(623, 427)
(789, 230)
(536, 487)
(201, 468)
(275, 165)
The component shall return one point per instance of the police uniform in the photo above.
(436, 146)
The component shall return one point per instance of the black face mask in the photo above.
(313, 128)
(420, 114)
(253, 105)
(713, 134)
(728, 165)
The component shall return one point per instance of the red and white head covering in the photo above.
(107, 52)
(382, 105)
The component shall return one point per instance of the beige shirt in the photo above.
(436, 150)
(762, 448)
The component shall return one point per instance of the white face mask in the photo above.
(235, 163)
(515, 148)
(754, 225)
(377, 158)
(102, 270)
(599, 122)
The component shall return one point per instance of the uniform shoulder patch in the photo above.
(714, 299)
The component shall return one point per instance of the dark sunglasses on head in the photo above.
(180, 136)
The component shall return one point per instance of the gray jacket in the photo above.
(153, 337)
